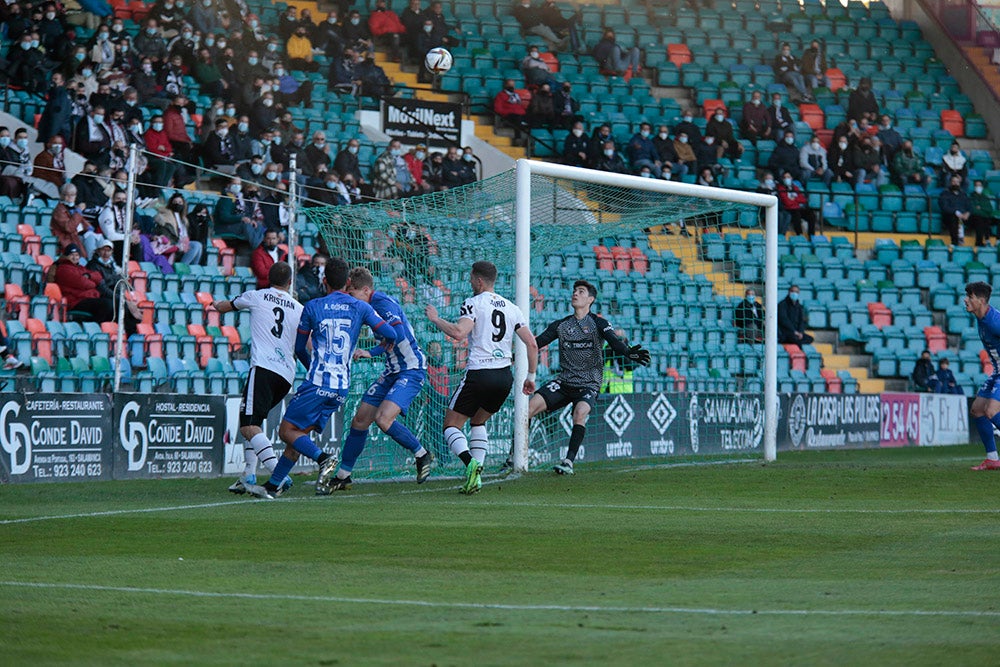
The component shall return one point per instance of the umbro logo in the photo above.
(661, 414)
(619, 415)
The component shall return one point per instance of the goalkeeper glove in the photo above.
(638, 355)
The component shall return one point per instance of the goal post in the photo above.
(525, 169)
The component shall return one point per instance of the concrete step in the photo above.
(871, 386)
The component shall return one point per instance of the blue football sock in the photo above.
(305, 446)
(354, 444)
(281, 470)
(985, 428)
(403, 436)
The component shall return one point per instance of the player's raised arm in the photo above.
(635, 353)
(224, 306)
(550, 334)
(457, 330)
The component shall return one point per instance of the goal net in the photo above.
(671, 262)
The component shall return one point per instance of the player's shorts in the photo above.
(557, 394)
(400, 388)
(990, 388)
(313, 406)
(263, 390)
(483, 388)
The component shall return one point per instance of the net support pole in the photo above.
(133, 161)
(293, 212)
(522, 297)
(770, 331)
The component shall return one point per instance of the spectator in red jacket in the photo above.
(792, 200)
(387, 30)
(415, 162)
(81, 287)
(264, 257)
(180, 141)
(158, 147)
(509, 105)
(68, 224)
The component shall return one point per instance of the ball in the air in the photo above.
(438, 60)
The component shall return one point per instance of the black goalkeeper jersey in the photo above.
(581, 348)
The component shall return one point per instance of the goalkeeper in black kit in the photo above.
(581, 357)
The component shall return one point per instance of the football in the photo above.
(438, 60)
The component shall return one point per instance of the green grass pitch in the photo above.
(822, 558)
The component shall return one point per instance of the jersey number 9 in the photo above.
(500, 324)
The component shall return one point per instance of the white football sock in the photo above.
(262, 448)
(478, 441)
(456, 440)
(249, 460)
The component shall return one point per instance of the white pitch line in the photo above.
(761, 510)
(709, 611)
(687, 464)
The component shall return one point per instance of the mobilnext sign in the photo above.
(413, 121)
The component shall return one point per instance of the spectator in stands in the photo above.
(982, 216)
(252, 170)
(104, 263)
(785, 156)
(813, 164)
(264, 257)
(508, 105)
(372, 80)
(722, 130)
(862, 102)
(208, 75)
(428, 39)
(218, 152)
(150, 44)
(768, 186)
(535, 70)
(112, 219)
(355, 33)
(908, 167)
(793, 201)
(707, 157)
(792, 320)
(434, 171)
(347, 161)
(749, 319)
(954, 163)
(688, 127)
(237, 217)
(80, 287)
(263, 113)
(595, 149)
(943, 381)
(208, 18)
(566, 106)
(300, 51)
(671, 168)
(387, 30)
(891, 140)
(168, 16)
(610, 160)
(781, 118)
(50, 164)
(90, 188)
(159, 149)
(955, 209)
(541, 109)
(172, 222)
(317, 155)
(615, 60)
(685, 153)
(469, 164)
(532, 23)
(455, 171)
(26, 67)
(68, 224)
(787, 71)
(756, 121)
(867, 161)
(291, 91)
(563, 27)
(384, 172)
(923, 371)
(174, 124)
(92, 139)
(574, 151)
(839, 160)
(415, 163)
(56, 117)
(814, 66)
(309, 282)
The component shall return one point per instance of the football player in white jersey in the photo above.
(490, 322)
(274, 319)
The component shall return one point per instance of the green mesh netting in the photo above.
(420, 251)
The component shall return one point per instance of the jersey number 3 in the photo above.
(279, 323)
(500, 324)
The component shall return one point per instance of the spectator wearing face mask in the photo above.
(57, 115)
(614, 59)
(787, 70)
(671, 167)
(300, 51)
(509, 105)
(866, 159)
(150, 43)
(384, 172)
(839, 160)
(453, 171)
(264, 257)
(159, 148)
(642, 152)
(611, 161)
(92, 139)
(434, 171)
(68, 224)
(171, 221)
(861, 103)
(168, 16)
(793, 201)
(908, 167)
(331, 192)
(574, 151)
(721, 130)
(415, 162)
(814, 66)
(535, 70)
(50, 164)
(218, 152)
(688, 127)
(347, 162)
(983, 215)
(792, 320)
(748, 317)
(812, 160)
(26, 66)
(955, 209)
(112, 221)
(468, 168)
(238, 217)
(309, 282)
(355, 32)
(685, 152)
(387, 30)
(252, 171)
(756, 121)
(263, 114)
(954, 163)
(103, 263)
(785, 156)
(781, 118)
(566, 106)
(206, 17)
(891, 140)
(768, 186)
(292, 92)
(541, 109)
(317, 154)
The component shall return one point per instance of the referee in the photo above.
(581, 357)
